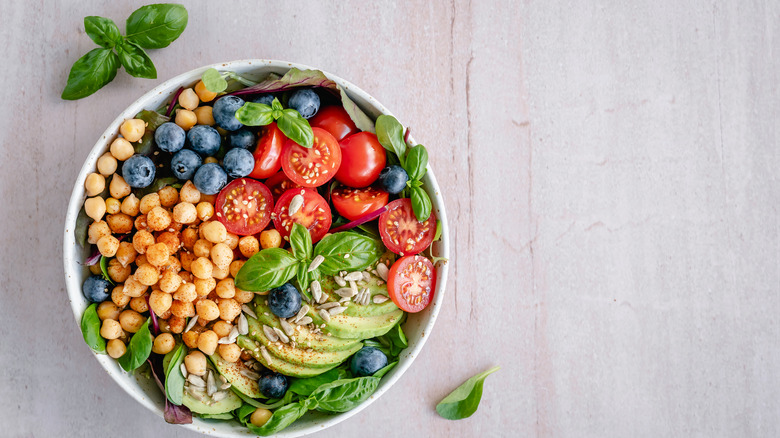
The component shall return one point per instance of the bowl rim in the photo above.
(75, 203)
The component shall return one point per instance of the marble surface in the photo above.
(611, 184)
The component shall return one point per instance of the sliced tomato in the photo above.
(244, 206)
(268, 152)
(314, 166)
(411, 283)
(355, 203)
(362, 158)
(400, 230)
(314, 213)
(335, 120)
(279, 183)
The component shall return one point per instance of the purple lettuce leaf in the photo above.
(174, 414)
(155, 325)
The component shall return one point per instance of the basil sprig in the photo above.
(90, 329)
(464, 400)
(289, 121)
(138, 350)
(149, 27)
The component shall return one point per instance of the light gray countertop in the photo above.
(610, 176)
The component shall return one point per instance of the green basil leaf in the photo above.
(266, 270)
(345, 394)
(103, 31)
(256, 404)
(304, 279)
(305, 387)
(300, 241)
(296, 128)
(255, 114)
(281, 418)
(381, 373)
(416, 160)
(138, 350)
(437, 236)
(245, 411)
(464, 400)
(156, 26)
(135, 60)
(214, 81)
(276, 105)
(174, 380)
(347, 251)
(104, 269)
(390, 134)
(90, 73)
(82, 226)
(90, 329)
(145, 146)
(153, 119)
(421, 204)
(395, 340)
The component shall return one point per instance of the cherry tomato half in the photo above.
(268, 152)
(314, 166)
(244, 206)
(314, 214)
(400, 230)
(362, 158)
(411, 283)
(335, 120)
(279, 183)
(354, 203)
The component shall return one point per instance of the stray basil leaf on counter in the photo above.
(138, 350)
(135, 60)
(464, 400)
(214, 81)
(90, 329)
(390, 134)
(93, 70)
(421, 203)
(103, 31)
(156, 26)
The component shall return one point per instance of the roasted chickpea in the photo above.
(121, 149)
(189, 193)
(270, 239)
(126, 253)
(133, 129)
(176, 324)
(120, 223)
(108, 245)
(207, 342)
(214, 231)
(148, 202)
(118, 187)
(133, 288)
(108, 310)
(142, 240)
(95, 207)
(116, 348)
(163, 343)
(140, 223)
(203, 286)
(204, 94)
(205, 115)
(147, 274)
(188, 99)
(173, 265)
(186, 119)
(190, 339)
(185, 213)
(207, 310)
(244, 296)
(226, 288)
(188, 237)
(113, 206)
(249, 246)
(170, 239)
(116, 271)
(119, 297)
(229, 309)
(186, 259)
(160, 302)
(195, 362)
(229, 352)
(139, 304)
(158, 254)
(231, 240)
(95, 269)
(220, 273)
(202, 248)
(131, 205)
(182, 309)
(222, 328)
(97, 230)
(221, 255)
(170, 282)
(95, 184)
(158, 219)
(186, 277)
(185, 293)
(205, 210)
(235, 266)
(208, 160)
(131, 321)
(202, 268)
(169, 196)
(260, 416)
(106, 164)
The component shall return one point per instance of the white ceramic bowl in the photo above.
(417, 328)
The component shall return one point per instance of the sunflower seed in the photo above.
(305, 320)
(316, 263)
(249, 374)
(345, 292)
(336, 310)
(379, 299)
(288, 329)
(265, 354)
(382, 270)
(281, 335)
(354, 276)
(196, 380)
(301, 313)
(270, 334)
(211, 384)
(340, 280)
(233, 335)
(225, 385)
(345, 300)
(248, 310)
(219, 396)
(222, 379)
(366, 276)
(243, 325)
(183, 369)
(324, 315)
(295, 204)
(329, 305)
(191, 324)
(316, 292)
(224, 340)
(353, 286)
(198, 395)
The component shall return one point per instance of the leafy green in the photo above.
(437, 236)
(281, 418)
(347, 251)
(135, 60)
(153, 119)
(390, 134)
(223, 416)
(156, 26)
(255, 114)
(174, 380)
(416, 161)
(145, 146)
(305, 387)
(82, 226)
(214, 81)
(104, 269)
(90, 329)
(103, 31)
(93, 70)
(289, 121)
(421, 204)
(266, 270)
(300, 241)
(138, 349)
(394, 340)
(464, 400)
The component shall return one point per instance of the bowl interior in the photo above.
(145, 391)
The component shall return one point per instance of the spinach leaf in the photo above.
(395, 340)
(381, 373)
(344, 394)
(82, 226)
(464, 400)
(255, 114)
(246, 410)
(93, 70)
(156, 26)
(295, 127)
(421, 204)
(416, 160)
(256, 404)
(138, 349)
(347, 251)
(135, 60)
(390, 134)
(266, 270)
(174, 380)
(305, 387)
(104, 269)
(281, 418)
(103, 31)
(153, 119)
(145, 146)
(90, 329)
(300, 241)
(214, 81)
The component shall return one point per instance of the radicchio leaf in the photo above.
(360, 221)
(174, 101)
(155, 326)
(173, 414)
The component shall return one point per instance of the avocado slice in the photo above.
(357, 327)
(227, 404)
(232, 372)
(278, 364)
(315, 341)
(372, 309)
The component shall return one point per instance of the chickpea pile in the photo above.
(167, 253)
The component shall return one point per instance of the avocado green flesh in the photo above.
(232, 372)
(372, 309)
(227, 404)
(357, 327)
(317, 342)
(277, 364)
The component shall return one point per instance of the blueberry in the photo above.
(305, 102)
(266, 99)
(97, 289)
(367, 361)
(284, 301)
(238, 162)
(273, 385)
(204, 140)
(209, 179)
(169, 137)
(138, 171)
(392, 179)
(184, 164)
(243, 138)
(224, 112)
